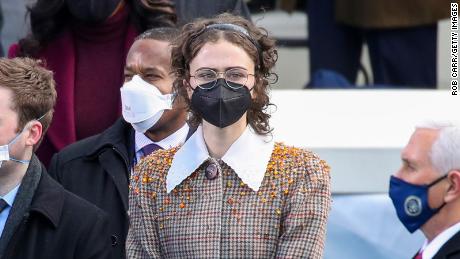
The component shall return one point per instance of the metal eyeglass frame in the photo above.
(223, 76)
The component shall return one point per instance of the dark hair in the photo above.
(168, 34)
(49, 17)
(33, 88)
(258, 45)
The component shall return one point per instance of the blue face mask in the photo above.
(411, 202)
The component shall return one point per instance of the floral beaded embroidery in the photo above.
(285, 164)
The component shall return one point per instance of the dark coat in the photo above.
(57, 224)
(97, 169)
(450, 250)
(381, 14)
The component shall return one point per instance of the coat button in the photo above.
(211, 171)
(114, 239)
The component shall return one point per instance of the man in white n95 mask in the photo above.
(98, 168)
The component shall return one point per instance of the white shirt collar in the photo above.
(248, 156)
(10, 196)
(173, 140)
(430, 249)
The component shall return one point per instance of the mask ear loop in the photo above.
(254, 86)
(434, 183)
(20, 161)
(190, 86)
(437, 180)
(17, 136)
(14, 140)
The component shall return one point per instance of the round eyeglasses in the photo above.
(235, 78)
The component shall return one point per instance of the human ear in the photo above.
(453, 193)
(34, 133)
(188, 87)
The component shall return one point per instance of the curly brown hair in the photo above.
(259, 46)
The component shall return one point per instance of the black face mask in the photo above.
(91, 11)
(221, 105)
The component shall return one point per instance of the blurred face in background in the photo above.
(93, 11)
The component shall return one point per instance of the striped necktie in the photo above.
(3, 205)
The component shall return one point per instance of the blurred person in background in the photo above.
(426, 189)
(1, 26)
(85, 44)
(401, 37)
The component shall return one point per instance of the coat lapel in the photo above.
(22, 202)
(451, 249)
(115, 151)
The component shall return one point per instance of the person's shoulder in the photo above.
(83, 220)
(94, 144)
(72, 207)
(304, 162)
(152, 169)
(81, 207)
(78, 149)
(158, 162)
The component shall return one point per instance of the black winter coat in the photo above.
(97, 169)
(58, 224)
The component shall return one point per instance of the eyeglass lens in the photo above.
(235, 77)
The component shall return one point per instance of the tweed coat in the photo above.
(223, 217)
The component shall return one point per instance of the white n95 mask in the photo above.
(143, 104)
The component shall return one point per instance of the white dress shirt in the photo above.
(173, 140)
(9, 198)
(248, 156)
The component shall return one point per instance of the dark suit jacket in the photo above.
(451, 249)
(57, 224)
(97, 169)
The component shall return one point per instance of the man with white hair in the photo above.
(426, 189)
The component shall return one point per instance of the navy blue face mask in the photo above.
(411, 202)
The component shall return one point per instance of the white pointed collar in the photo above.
(248, 156)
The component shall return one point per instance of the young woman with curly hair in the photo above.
(230, 191)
